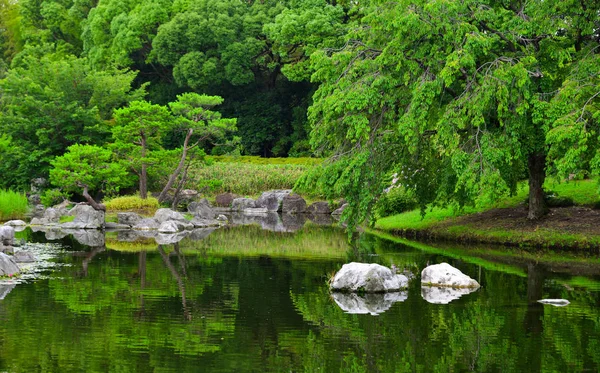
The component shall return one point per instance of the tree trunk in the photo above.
(97, 206)
(144, 173)
(179, 187)
(537, 175)
(173, 177)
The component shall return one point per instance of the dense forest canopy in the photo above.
(459, 99)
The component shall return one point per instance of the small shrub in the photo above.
(396, 201)
(128, 203)
(13, 205)
(52, 197)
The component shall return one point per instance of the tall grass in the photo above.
(265, 161)
(13, 205)
(246, 178)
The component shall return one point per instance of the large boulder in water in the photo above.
(202, 209)
(293, 204)
(8, 267)
(272, 200)
(444, 275)
(86, 217)
(367, 278)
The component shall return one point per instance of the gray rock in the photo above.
(23, 256)
(225, 199)
(147, 224)
(444, 275)
(168, 227)
(34, 199)
(5, 289)
(240, 204)
(7, 236)
(272, 200)
(319, 208)
(340, 210)
(293, 204)
(115, 226)
(38, 210)
(8, 266)
(163, 215)
(38, 184)
(368, 278)
(51, 217)
(86, 217)
(293, 222)
(255, 211)
(15, 223)
(129, 218)
(202, 209)
(222, 218)
(373, 304)
(443, 295)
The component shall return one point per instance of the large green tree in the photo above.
(50, 104)
(461, 99)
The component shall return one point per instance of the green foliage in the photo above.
(266, 161)
(128, 203)
(51, 104)
(396, 201)
(13, 205)
(88, 165)
(51, 197)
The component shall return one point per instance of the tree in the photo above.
(137, 131)
(49, 104)
(462, 99)
(88, 167)
(198, 123)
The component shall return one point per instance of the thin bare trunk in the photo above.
(179, 187)
(537, 175)
(144, 173)
(173, 176)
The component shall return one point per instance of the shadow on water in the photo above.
(245, 298)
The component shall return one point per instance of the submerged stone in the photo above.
(555, 302)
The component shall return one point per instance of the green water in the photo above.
(247, 300)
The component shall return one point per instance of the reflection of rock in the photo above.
(205, 223)
(8, 266)
(127, 236)
(555, 302)
(443, 295)
(115, 226)
(200, 233)
(168, 227)
(444, 274)
(23, 256)
(5, 289)
(51, 233)
(88, 237)
(320, 219)
(370, 278)
(293, 222)
(168, 239)
(368, 303)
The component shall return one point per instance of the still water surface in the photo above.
(247, 300)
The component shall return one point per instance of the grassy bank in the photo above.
(13, 205)
(505, 221)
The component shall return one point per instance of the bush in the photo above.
(13, 205)
(396, 201)
(127, 203)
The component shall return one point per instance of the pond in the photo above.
(244, 299)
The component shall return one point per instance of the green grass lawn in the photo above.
(583, 192)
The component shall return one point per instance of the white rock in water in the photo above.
(368, 278)
(445, 275)
(443, 295)
(555, 302)
(373, 304)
